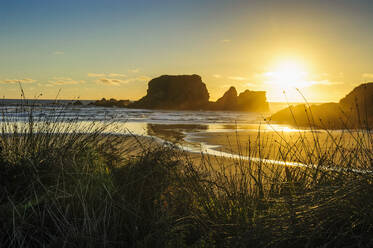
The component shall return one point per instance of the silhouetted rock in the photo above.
(323, 115)
(77, 103)
(184, 92)
(111, 103)
(352, 111)
(228, 101)
(252, 101)
(361, 98)
(255, 101)
(188, 92)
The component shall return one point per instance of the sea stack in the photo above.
(180, 92)
(249, 101)
(188, 92)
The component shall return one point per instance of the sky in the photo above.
(89, 49)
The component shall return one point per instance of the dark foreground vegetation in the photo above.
(60, 188)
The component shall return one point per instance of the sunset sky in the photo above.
(111, 48)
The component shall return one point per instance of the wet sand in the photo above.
(305, 147)
(284, 146)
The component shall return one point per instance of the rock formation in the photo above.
(251, 101)
(352, 111)
(188, 92)
(361, 98)
(75, 103)
(111, 103)
(184, 92)
(323, 115)
(228, 101)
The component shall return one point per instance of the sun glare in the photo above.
(288, 74)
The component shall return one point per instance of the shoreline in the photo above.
(233, 145)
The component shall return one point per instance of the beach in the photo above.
(78, 168)
(219, 133)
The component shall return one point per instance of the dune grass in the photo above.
(66, 188)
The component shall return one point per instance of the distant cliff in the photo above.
(352, 111)
(184, 92)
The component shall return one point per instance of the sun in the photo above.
(287, 74)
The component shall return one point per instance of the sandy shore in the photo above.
(200, 144)
(304, 146)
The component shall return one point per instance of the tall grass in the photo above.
(85, 188)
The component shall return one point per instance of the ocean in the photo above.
(135, 121)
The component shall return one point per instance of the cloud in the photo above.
(216, 76)
(300, 80)
(225, 41)
(58, 52)
(96, 74)
(110, 81)
(328, 76)
(142, 78)
(110, 75)
(116, 75)
(237, 78)
(15, 81)
(118, 82)
(136, 79)
(367, 75)
(64, 81)
(136, 70)
(62, 78)
(250, 85)
(322, 82)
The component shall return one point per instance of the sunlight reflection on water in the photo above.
(164, 133)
